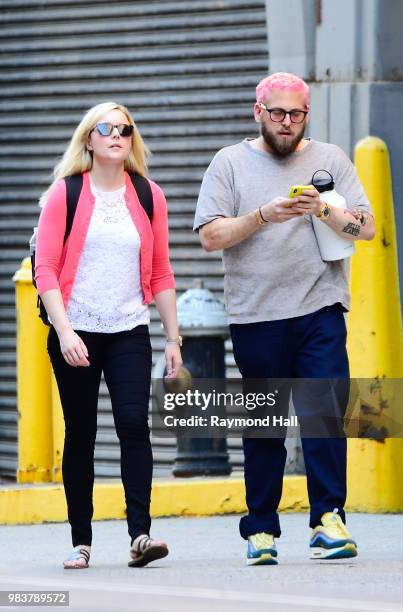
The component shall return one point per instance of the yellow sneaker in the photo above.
(331, 539)
(261, 550)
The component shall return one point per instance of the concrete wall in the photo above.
(351, 51)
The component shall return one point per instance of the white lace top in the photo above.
(106, 295)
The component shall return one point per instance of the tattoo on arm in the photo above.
(361, 216)
(351, 228)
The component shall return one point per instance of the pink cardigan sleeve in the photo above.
(49, 245)
(162, 275)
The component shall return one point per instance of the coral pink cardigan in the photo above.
(56, 264)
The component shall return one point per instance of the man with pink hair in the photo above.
(285, 304)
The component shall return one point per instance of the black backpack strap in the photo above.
(144, 193)
(74, 184)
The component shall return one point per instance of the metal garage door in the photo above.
(186, 69)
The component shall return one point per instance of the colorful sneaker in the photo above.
(331, 539)
(261, 550)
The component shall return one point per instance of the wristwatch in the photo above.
(324, 211)
(177, 340)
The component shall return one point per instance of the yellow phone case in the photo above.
(296, 190)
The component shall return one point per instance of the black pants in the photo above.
(125, 360)
(309, 346)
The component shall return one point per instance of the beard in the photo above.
(278, 145)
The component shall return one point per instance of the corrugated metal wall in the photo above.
(186, 69)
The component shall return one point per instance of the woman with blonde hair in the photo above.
(96, 284)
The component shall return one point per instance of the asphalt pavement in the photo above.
(206, 571)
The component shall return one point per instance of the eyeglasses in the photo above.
(278, 114)
(106, 129)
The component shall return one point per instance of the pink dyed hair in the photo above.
(283, 81)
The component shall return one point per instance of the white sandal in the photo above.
(77, 554)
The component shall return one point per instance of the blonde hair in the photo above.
(77, 159)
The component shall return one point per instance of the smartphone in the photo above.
(296, 190)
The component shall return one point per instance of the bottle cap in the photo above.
(322, 182)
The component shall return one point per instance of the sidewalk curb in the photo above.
(27, 504)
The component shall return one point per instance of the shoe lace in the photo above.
(262, 540)
(333, 521)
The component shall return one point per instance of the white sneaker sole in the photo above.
(264, 559)
(343, 552)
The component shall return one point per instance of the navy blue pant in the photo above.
(125, 359)
(310, 346)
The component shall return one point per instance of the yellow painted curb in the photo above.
(27, 504)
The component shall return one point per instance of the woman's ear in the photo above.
(88, 144)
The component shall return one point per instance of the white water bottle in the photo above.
(331, 246)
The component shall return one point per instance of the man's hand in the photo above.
(343, 220)
(280, 210)
(309, 203)
(350, 224)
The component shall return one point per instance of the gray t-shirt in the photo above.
(277, 273)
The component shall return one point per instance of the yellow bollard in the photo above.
(375, 333)
(35, 446)
(375, 468)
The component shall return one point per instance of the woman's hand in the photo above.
(73, 349)
(173, 359)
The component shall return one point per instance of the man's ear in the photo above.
(257, 111)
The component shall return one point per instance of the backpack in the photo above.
(74, 185)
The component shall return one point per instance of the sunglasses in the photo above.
(106, 129)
